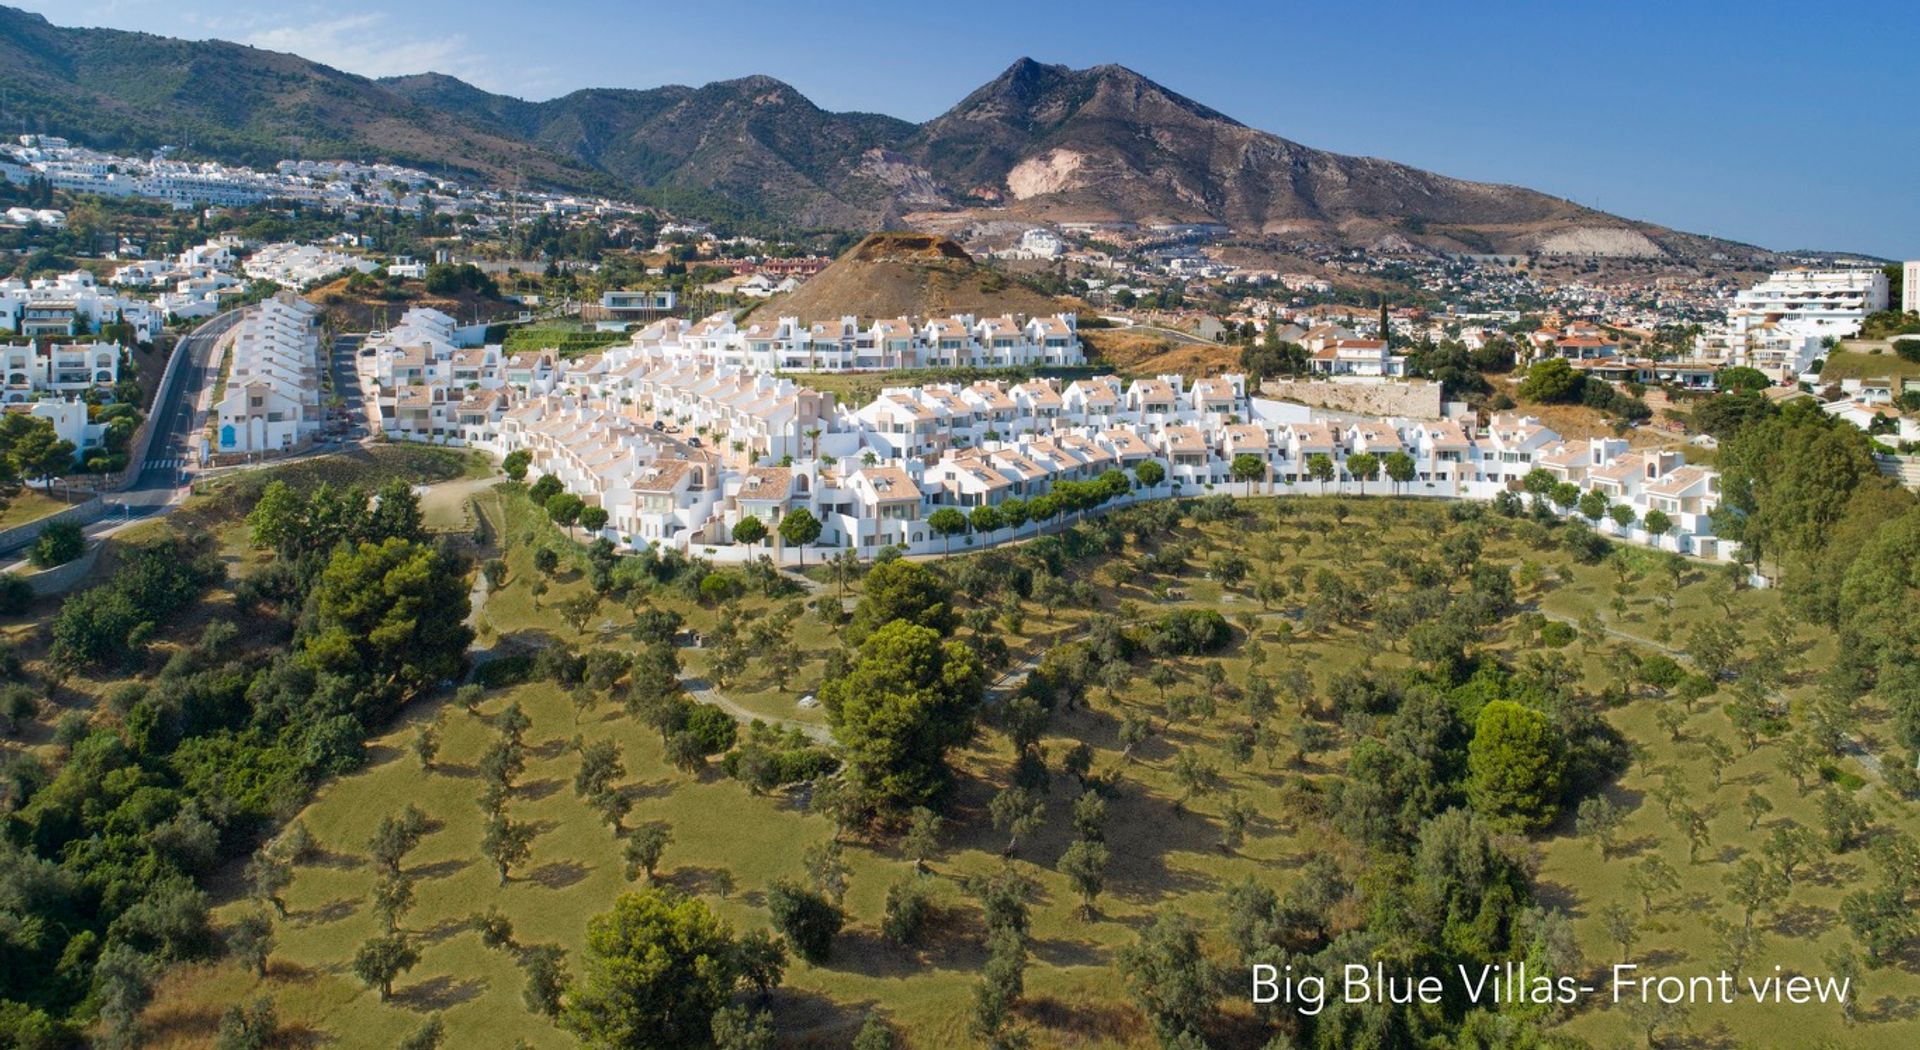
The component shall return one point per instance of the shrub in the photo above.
(1556, 635)
(806, 919)
(909, 908)
(1190, 632)
(712, 727)
(16, 594)
(58, 544)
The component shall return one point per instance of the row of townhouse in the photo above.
(882, 503)
(922, 422)
(1659, 480)
(70, 305)
(680, 451)
(845, 345)
(272, 400)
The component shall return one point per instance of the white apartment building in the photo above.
(1779, 325)
(272, 400)
(1910, 288)
(32, 370)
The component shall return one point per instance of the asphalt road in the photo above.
(171, 451)
(343, 364)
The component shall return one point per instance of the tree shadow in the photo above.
(646, 790)
(1891, 1008)
(445, 929)
(436, 994)
(560, 874)
(694, 879)
(332, 911)
(320, 857)
(1803, 921)
(1105, 1023)
(814, 1021)
(536, 790)
(299, 1035)
(1635, 846)
(1061, 951)
(1554, 896)
(439, 869)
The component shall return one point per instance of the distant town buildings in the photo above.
(845, 345)
(297, 265)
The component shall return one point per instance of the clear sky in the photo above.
(1785, 125)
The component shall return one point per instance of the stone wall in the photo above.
(1408, 399)
(62, 577)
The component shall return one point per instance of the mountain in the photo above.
(1106, 143)
(755, 142)
(907, 275)
(1037, 143)
(135, 91)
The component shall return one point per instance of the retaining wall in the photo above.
(1412, 399)
(80, 513)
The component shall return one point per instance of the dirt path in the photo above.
(705, 692)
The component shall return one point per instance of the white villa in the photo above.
(679, 435)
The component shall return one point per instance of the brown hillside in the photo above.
(354, 313)
(907, 275)
(1142, 353)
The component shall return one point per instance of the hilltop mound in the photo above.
(907, 247)
(908, 275)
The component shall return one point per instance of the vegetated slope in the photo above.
(754, 142)
(908, 275)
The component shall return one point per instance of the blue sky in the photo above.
(1786, 125)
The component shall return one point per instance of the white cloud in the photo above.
(366, 44)
(372, 45)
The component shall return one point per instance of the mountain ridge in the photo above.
(1037, 143)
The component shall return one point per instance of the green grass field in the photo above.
(1871, 364)
(26, 504)
(729, 844)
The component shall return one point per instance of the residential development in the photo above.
(685, 430)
